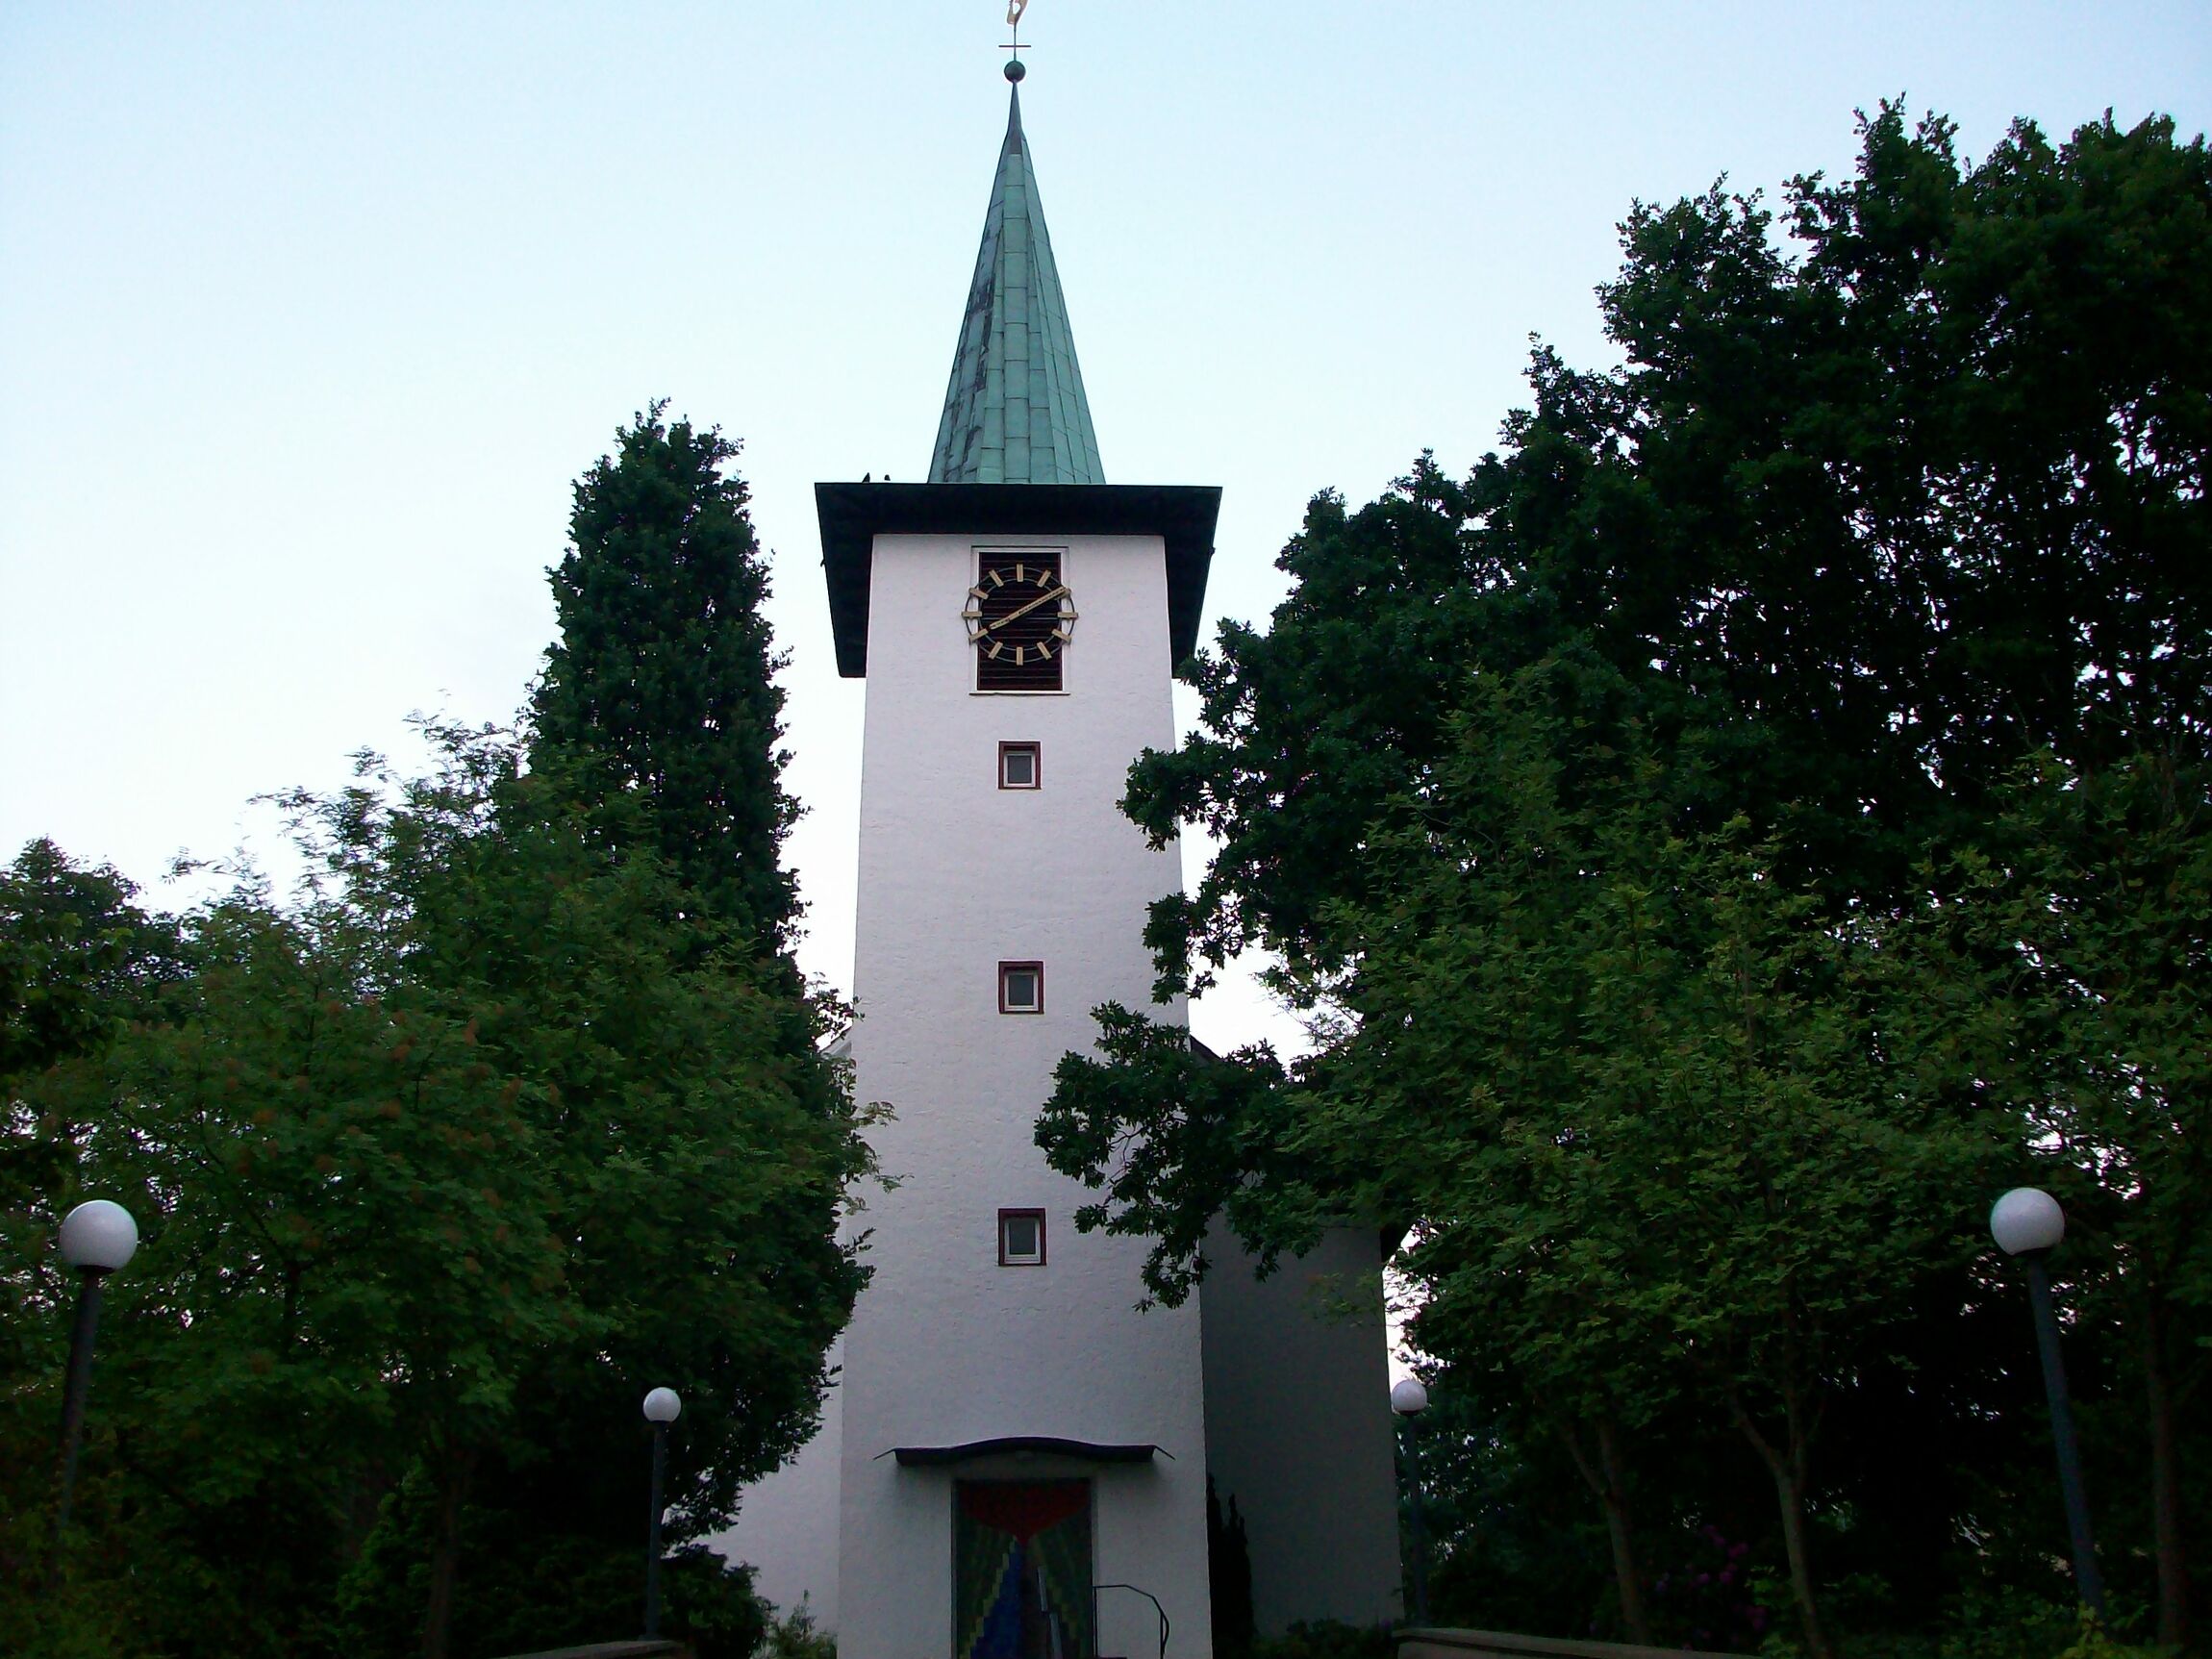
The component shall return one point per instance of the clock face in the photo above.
(1019, 617)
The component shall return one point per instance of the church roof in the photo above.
(852, 515)
(1015, 414)
(1015, 411)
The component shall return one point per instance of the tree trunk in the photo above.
(1624, 1542)
(2166, 1517)
(1790, 1468)
(1607, 1480)
(456, 1465)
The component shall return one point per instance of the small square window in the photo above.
(1022, 1237)
(1022, 987)
(1019, 768)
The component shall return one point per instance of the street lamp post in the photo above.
(96, 1239)
(661, 1408)
(2027, 1222)
(1409, 1399)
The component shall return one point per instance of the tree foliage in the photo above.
(661, 684)
(658, 713)
(1641, 818)
(517, 1109)
(485, 1124)
(2084, 918)
(1888, 516)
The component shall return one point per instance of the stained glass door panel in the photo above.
(1022, 1569)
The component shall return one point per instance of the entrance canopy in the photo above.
(1049, 1445)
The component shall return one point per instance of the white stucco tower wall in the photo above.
(956, 875)
(786, 1527)
(960, 1365)
(1299, 1428)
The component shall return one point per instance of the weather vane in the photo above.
(1013, 10)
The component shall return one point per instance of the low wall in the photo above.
(1435, 1644)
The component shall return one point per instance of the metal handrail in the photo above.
(1137, 1590)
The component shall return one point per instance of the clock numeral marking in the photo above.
(996, 578)
(997, 646)
(1045, 651)
(1020, 575)
(1017, 650)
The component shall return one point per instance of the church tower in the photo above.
(1016, 1457)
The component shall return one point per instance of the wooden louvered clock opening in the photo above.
(1020, 617)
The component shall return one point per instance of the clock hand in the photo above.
(1012, 615)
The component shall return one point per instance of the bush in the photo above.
(1327, 1639)
(795, 1636)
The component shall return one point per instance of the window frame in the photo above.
(1006, 969)
(1036, 753)
(1007, 1259)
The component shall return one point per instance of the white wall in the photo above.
(956, 875)
(1298, 1427)
(788, 1525)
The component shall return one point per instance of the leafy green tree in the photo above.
(77, 954)
(1859, 525)
(658, 712)
(520, 1107)
(1651, 1117)
(489, 1119)
(661, 686)
(79, 959)
(675, 1072)
(2082, 937)
(1885, 518)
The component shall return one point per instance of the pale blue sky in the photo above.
(310, 313)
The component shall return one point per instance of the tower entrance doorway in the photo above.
(1022, 1569)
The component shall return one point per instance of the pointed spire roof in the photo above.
(1015, 411)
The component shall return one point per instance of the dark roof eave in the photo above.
(1042, 1445)
(853, 515)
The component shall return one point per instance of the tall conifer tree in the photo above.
(660, 686)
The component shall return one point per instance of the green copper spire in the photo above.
(1014, 411)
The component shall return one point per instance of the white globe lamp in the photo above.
(98, 1237)
(661, 1408)
(2027, 1222)
(2026, 1219)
